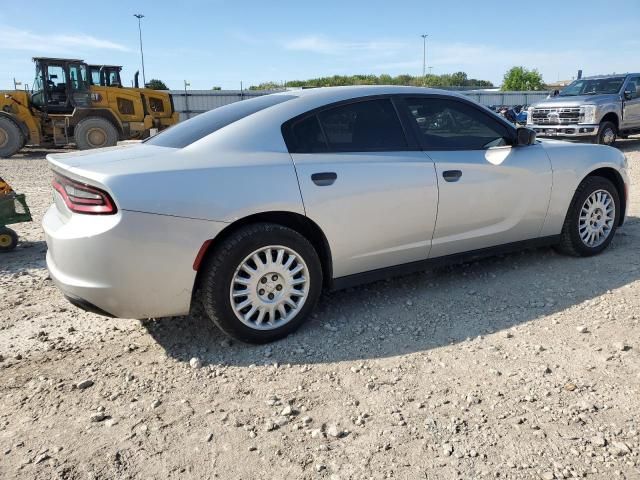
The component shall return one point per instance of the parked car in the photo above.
(598, 109)
(255, 207)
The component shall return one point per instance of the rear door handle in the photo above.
(451, 175)
(324, 179)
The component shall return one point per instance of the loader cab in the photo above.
(60, 85)
(105, 75)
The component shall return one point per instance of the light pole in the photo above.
(424, 54)
(186, 100)
(139, 16)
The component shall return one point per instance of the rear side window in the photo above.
(307, 136)
(454, 125)
(187, 132)
(364, 126)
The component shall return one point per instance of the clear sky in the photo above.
(220, 43)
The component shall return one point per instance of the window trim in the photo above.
(511, 130)
(289, 139)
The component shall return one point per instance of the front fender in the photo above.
(571, 164)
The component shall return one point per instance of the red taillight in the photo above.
(82, 198)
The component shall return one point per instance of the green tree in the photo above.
(522, 79)
(216, 88)
(458, 79)
(156, 84)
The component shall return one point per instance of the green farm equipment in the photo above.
(13, 209)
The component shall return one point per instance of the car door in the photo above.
(373, 194)
(631, 110)
(490, 193)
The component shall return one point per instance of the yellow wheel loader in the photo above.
(63, 107)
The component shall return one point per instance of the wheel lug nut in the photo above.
(278, 287)
(271, 296)
(261, 292)
(263, 280)
(274, 277)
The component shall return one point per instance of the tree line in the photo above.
(458, 79)
(516, 79)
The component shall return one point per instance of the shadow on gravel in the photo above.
(631, 143)
(36, 153)
(26, 255)
(420, 312)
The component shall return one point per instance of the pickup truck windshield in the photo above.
(596, 86)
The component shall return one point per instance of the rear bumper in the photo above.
(565, 131)
(128, 265)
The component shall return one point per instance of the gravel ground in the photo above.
(519, 366)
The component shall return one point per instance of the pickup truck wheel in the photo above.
(607, 134)
(11, 138)
(592, 218)
(95, 132)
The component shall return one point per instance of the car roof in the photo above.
(329, 94)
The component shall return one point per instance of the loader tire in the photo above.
(11, 138)
(95, 132)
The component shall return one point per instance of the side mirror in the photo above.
(628, 95)
(525, 136)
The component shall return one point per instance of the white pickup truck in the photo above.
(599, 109)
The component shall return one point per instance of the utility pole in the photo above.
(139, 16)
(186, 99)
(424, 54)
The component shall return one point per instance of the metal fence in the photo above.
(193, 102)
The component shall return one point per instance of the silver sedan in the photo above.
(253, 208)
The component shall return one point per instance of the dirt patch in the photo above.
(520, 366)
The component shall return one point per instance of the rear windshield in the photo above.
(192, 130)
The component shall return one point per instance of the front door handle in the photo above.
(451, 175)
(324, 179)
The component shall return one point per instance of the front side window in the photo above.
(113, 78)
(95, 76)
(450, 124)
(634, 87)
(78, 76)
(37, 93)
(371, 125)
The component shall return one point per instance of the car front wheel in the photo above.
(592, 218)
(261, 283)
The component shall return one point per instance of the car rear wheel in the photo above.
(592, 218)
(261, 283)
(11, 138)
(95, 132)
(607, 134)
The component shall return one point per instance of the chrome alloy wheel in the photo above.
(269, 287)
(609, 136)
(596, 218)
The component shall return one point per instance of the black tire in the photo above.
(95, 132)
(220, 267)
(8, 239)
(11, 137)
(571, 242)
(607, 134)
